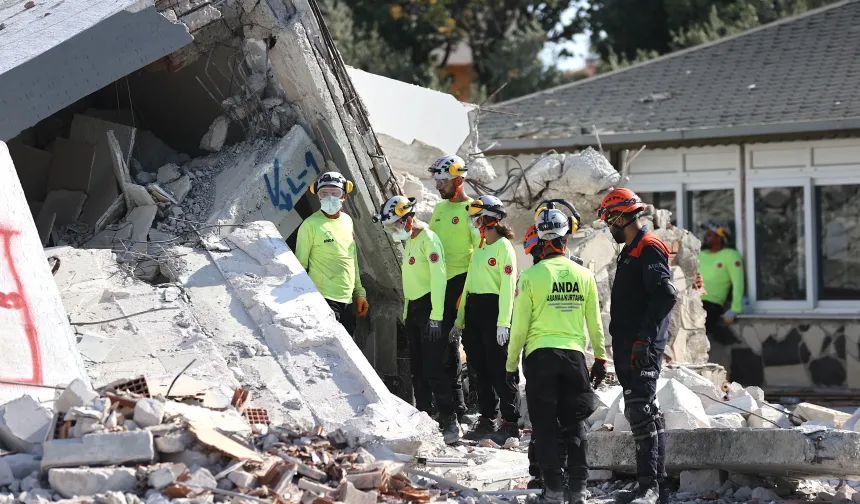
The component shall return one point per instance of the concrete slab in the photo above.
(33, 166)
(38, 342)
(71, 165)
(113, 448)
(779, 452)
(66, 205)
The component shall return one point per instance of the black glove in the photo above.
(512, 380)
(434, 330)
(598, 372)
(640, 358)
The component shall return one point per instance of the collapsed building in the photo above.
(167, 188)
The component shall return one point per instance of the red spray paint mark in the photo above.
(17, 300)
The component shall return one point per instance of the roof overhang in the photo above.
(673, 136)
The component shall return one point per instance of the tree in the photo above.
(623, 31)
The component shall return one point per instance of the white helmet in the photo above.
(396, 208)
(487, 206)
(332, 179)
(551, 223)
(448, 167)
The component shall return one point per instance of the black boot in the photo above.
(648, 493)
(451, 431)
(506, 430)
(483, 428)
(553, 491)
(576, 492)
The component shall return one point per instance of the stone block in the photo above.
(78, 394)
(6, 476)
(348, 494)
(243, 479)
(756, 392)
(168, 173)
(743, 404)
(773, 414)
(87, 481)
(148, 412)
(765, 495)
(180, 188)
(213, 140)
(161, 477)
(174, 442)
(813, 412)
(728, 421)
(702, 481)
(99, 450)
(21, 464)
(681, 408)
(600, 475)
(24, 425)
(851, 423)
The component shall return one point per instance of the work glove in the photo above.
(639, 358)
(598, 372)
(455, 335)
(434, 330)
(700, 283)
(512, 380)
(503, 334)
(361, 306)
(729, 316)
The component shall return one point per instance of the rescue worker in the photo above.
(722, 271)
(642, 299)
(423, 271)
(486, 304)
(325, 247)
(450, 221)
(556, 300)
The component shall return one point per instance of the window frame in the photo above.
(738, 197)
(831, 306)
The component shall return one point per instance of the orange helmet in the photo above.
(620, 200)
(530, 239)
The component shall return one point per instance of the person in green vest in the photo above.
(325, 247)
(450, 221)
(434, 370)
(722, 271)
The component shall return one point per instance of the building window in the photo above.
(838, 216)
(780, 243)
(716, 205)
(664, 200)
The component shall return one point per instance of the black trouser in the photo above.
(716, 329)
(453, 290)
(560, 399)
(640, 409)
(344, 313)
(488, 358)
(534, 467)
(433, 368)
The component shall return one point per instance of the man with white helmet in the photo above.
(451, 222)
(486, 305)
(325, 247)
(434, 371)
(556, 300)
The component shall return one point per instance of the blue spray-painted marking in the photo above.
(297, 184)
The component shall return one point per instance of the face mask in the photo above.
(400, 234)
(331, 205)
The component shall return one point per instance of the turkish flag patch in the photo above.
(412, 260)
(719, 265)
(492, 261)
(737, 264)
(455, 220)
(509, 269)
(434, 257)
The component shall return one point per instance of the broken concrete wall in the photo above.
(792, 352)
(38, 343)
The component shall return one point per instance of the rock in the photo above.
(180, 188)
(809, 411)
(348, 494)
(31, 482)
(174, 442)
(113, 448)
(201, 477)
(243, 479)
(728, 421)
(89, 481)
(700, 385)
(681, 408)
(742, 494)
(148, 413)
(851, 423)
(745, 402)
(599, 475)
(77, 394)
(844, 494)
(756, 393)
(111, 498)
(702, 481)
(131, 425)
(24, 425)
(84, 426)
(773, 414)
(213, 140)
(168, 173)
(21, 464)
(144, 177)
(191, 458)
(6, 476)
(736, 390)
(161, 477)
(764, 495)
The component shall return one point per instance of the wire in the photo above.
(177, 377)
(153, 310)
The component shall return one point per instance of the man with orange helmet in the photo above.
(642, 298)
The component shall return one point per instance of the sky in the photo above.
(579, 47)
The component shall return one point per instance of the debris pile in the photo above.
(119, 445)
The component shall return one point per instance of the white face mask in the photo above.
(331, 205)
(400, 234)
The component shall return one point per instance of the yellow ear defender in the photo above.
(456, 170)
(402, 208)
(348, 187)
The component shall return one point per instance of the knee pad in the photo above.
(641, 416)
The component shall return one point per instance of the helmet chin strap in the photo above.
(484, 227)
(549, 247)
(457, 191)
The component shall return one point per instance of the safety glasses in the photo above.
(329, 192)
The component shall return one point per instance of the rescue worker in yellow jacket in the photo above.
(424, 280)
(484, 318)
(722, 272)
(325, 247)
(556, 300)
(450, 221)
